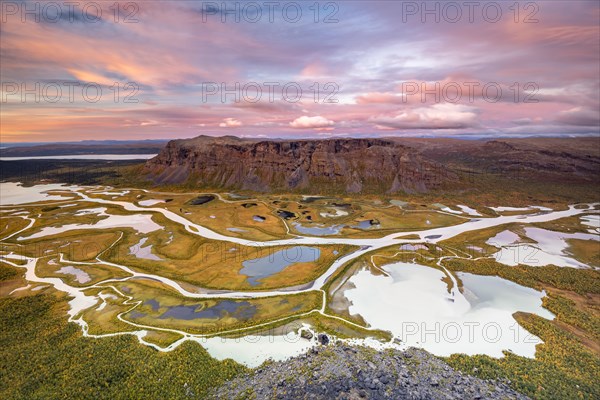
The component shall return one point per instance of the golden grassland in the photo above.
(75, 245)
(219, 216)
(586, 251)
(10, 225)
(10, 279)
(162, 338)
(567, 225)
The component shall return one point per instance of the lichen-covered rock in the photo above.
(347, 372)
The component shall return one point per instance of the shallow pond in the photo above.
(335, 214)
(286, 214)
(201, 200)
(148, 203)
(80, 276)
(143, 250)
(236, 196)
(366, 224)
(241, 310)
(504, 238)
(264, 267)
(413, 247)
(237, 230)
(318, 230)
(399, 203)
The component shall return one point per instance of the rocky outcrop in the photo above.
(346, 165)
(348, 372)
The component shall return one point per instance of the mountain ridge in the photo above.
(352, 165)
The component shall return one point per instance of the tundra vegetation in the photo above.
(44, 356)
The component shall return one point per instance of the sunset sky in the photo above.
(371, 59)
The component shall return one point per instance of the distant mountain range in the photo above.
(83, 147)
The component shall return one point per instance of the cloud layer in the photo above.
(184, 69)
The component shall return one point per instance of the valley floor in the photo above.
(507, 292)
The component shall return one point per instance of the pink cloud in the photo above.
(438, 116)
(230, 123)
(306, 122)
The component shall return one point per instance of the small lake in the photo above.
(198, 201)
(241, 310)
(237, 230)
(143, 250)
(286, 214)
(16, 193)
(264, 267)
(367, 224)
(80, 276)
(413, 247)
(318, 230)
(335, 214)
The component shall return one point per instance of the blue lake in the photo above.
(264, 267)
(366, 224)
(241, 310)
(318, 230)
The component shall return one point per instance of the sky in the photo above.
(177, 69)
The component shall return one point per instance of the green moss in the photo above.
(8, 272)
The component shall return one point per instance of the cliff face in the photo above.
(350, 165)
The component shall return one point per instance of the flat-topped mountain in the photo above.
(350, 165)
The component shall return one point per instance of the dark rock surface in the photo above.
(347, 372)
(350, 165)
